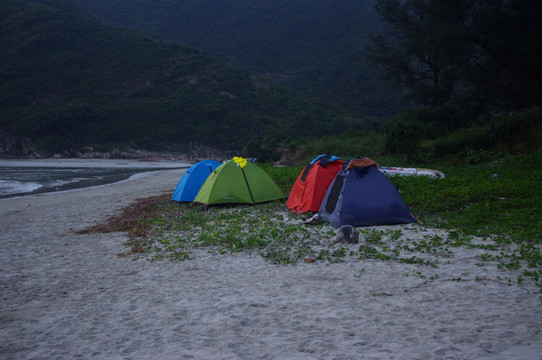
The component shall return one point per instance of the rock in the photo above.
(347, 234)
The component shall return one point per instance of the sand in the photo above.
(66, 296)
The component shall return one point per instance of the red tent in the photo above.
(311, 185)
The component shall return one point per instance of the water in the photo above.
(19, 181)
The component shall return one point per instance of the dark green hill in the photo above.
(68, 80)
(317, 46)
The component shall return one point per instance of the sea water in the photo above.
(19, 181)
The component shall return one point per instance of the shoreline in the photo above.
(115, 170)
(96, 163)
(68, 295)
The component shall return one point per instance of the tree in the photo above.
(425, 49)
(488, 51)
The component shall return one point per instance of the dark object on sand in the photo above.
(347, 234)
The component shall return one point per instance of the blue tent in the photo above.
(192, 180)
(361, 195)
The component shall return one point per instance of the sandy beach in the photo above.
(66, 296)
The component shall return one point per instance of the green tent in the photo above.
(238, 181)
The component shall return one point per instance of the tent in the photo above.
(311, 185)
(193, 179)
(361, 195)
(238, 181)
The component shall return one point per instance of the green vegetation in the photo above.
(500, 198)
(316, 46)
(428, 137)
(68, 81)
(496, 216)
(444, 131)
(443, 51)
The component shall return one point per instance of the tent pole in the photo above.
(248, 187)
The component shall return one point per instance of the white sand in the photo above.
(67, 296)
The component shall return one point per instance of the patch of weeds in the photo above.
(338, 254)
(417, 261)
(396, 235)
(419, 274)
(279, 255)
(368, 252)
(535, 275)
(373, 235)
(323, 254)
(486, 257)
(530, 253)
(513, 264)
(491, 247)
(179, 255)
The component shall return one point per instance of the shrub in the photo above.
(518, 132)
(262, 148)
(461, 140)
(403, 134)
(440, 120)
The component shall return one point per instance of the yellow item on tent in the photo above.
(241, 162)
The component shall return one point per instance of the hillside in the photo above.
(316, 46)
(68, 80)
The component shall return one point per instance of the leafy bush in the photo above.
(516, 133)
(520, 131)
(403, 134)
(471, 138)
(441, 120)
(263, 148)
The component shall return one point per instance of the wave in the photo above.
(19, 181)
(66, 182)
(10, 187)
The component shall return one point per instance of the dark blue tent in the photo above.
(361, 195)
(192, 180)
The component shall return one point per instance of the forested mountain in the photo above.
(67, 80)
(317, 46)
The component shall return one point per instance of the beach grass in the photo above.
(493, 208)
(501, 198)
